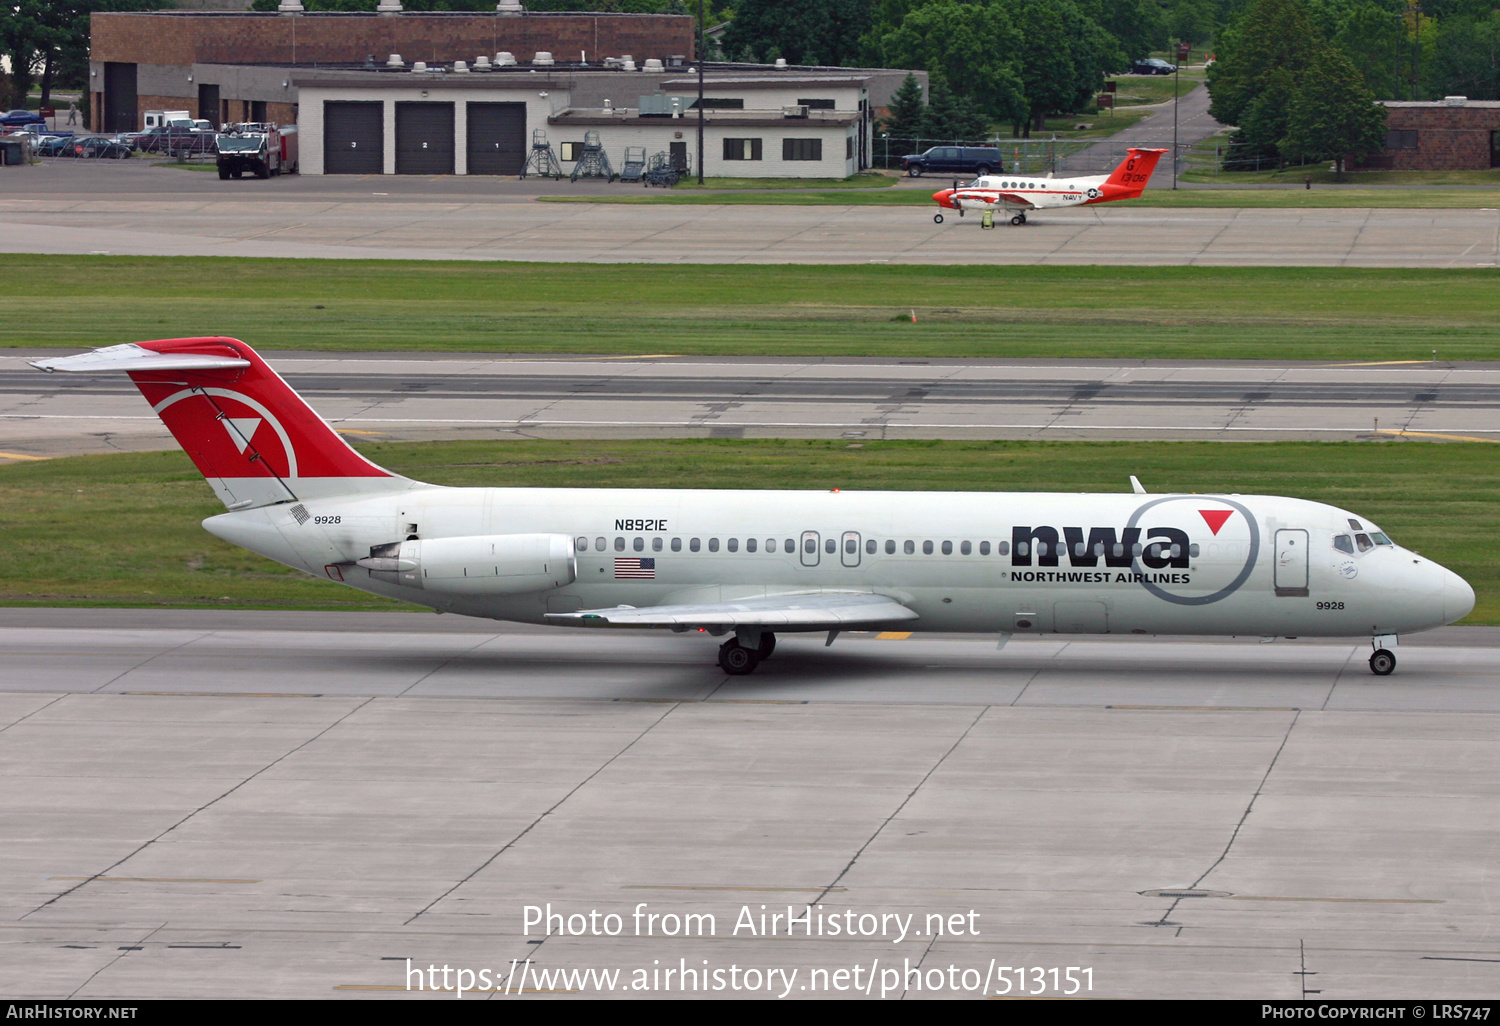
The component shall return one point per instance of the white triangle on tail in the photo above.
(242, 430)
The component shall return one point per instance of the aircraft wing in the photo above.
(807, 611)
(994, 197)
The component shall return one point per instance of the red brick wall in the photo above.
(1448, 138)
(270, 38)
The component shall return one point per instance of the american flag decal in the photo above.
(634, 568)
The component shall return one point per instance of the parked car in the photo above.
(15, 118)
(52, 146)
(1152, 66)
(100, 146)
(954, 160)
(173, 139)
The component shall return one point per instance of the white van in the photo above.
(161, 118)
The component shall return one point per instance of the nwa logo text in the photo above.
(1159, 548)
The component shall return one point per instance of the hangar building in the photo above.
(1451, 134)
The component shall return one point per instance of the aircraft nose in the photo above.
(944, 197)
(1458, 597)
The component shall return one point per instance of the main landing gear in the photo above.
(1018, 220)
(737, 659)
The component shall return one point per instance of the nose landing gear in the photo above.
(1382, 662)
(937, 218)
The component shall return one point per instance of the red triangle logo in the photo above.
(1215, 518)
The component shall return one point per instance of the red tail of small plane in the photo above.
(1129, 180)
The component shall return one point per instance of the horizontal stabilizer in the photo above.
(131, 357)
(807, 611)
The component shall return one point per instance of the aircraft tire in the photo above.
(937, 218)
(1018, 220)
(767, 644)
(1382, 662)
(737, 661)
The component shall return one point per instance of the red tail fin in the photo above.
(1129, 179)
(254, 439)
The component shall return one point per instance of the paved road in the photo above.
(261, 811)
(176, 213)
(414, 397)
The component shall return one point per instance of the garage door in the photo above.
(497, 138)
(424, 138)
(353, 137)
(119, 97)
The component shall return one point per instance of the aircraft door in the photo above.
(1290, 573)
(809, 548)
(850, 548)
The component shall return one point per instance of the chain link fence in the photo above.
(1031, 156)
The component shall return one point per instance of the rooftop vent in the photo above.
(460, 67)
(677, 60)
(781, 64)
(627, 63)
(290, 7)
(419, 66)
(388, 7)
(795, 112)
(509, 7)
(1455, 101)
(543, 58)
(395, 61)
(505, 59)
(481, 63)
(653, 64)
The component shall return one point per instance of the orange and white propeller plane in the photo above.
(1003, 193)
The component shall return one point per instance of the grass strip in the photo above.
(1322, 314)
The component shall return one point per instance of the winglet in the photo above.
(1136, 486)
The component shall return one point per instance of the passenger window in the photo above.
(851, 547)
(695, 544)
(1193, 550)
(734, 545)
(1176, 551)
(713, 545)
(1117, 550)
(771, 545)
(984, 548)
(830, 546)
(676, 544)
(810, 546)
(1003, 548)
(909, 547)
(947, 548)
(1135, 550)
(619, 544)
(639, 545)
(1343, 543)
(890, 547)
(870, 546)
(1364, 542)
(1041, 548)
(965, 548)
(655, 544)
(790, 545)
(1022, 548)
(750, 544)
(599, 544)
(927, 548)
(1078, 549)
(582, 545)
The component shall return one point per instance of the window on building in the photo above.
(1401, 139)
(816, 104)
(570, 151)
(801, 149)
(742, 149)
(719, 103)
(848, 147)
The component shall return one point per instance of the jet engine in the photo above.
(486, 564)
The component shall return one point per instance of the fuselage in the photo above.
(989, 562)
(1016, 192)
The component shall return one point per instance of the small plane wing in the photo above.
(808, 611)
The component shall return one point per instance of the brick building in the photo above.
(227, 66)
(1446, 135)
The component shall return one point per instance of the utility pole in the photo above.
(702, 56)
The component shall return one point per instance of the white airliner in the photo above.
(1003, 193)
(751, 563)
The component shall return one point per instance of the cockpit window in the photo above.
(1364, 542)
(1343, 543)
(1354, 525)
(1381, 539)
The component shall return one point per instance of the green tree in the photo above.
(1332, 114)
(802, 31)
(906, 109)
(1267, 36)
(968, 47)
(950, 116)
(51, 37)
(1466, 57)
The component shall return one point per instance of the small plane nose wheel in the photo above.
(1382, 662)
(937, 218)
(737, 661)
